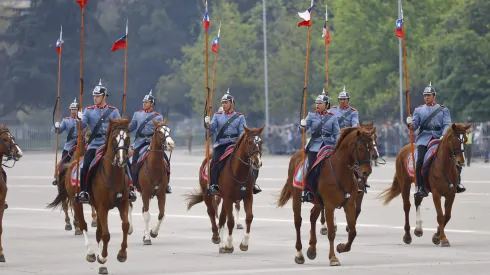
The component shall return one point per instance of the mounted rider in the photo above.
(432, 120)
(142, 123)
(69, 123)
(346, 115)
(325, 130)
(227, 125)
(96, 117)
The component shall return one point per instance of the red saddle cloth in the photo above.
(204, 171)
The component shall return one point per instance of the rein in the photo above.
(162, 150)
(454, 152)
(9, 155)
(256, 150)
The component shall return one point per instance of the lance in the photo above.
(215, 49)
(57, 105)
(207, 110)
(407, 93)
(326, 34)
(82, 4)
(125, 70)
(303, 132)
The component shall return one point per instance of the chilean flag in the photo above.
(326, 34)
(306, 16)
(399, 28)
(205, 19)
(215, 45)
(59, 42)
(121, 42)
(82, 3)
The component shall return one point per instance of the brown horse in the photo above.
(153, 178)
(336, 186)
(10, 150)
(236, 183)
(362, 184)
(442, 179)
(61, 188)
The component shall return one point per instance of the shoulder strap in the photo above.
(431, 116)
(99, 123)
(227, 123)
(70, 133)
(138, 132)
(318, 130)
(342, 118)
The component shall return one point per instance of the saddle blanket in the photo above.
(144, 151)
(323, 153)
(67, 158)
(431, 151)
(98, 155)
(204, 171)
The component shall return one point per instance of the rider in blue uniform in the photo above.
(325, 130)
(346, 115)
(432, 120)
(91, 117)
(69, 123)
(227, 126)
(143, 119)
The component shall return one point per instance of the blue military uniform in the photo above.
(431, 129)
(327, 135)
(69, 124)
(347, 116)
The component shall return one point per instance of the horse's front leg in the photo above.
(299, 258)
(329, 212)
(249, 216)
(314, 214)
(418, 231)
(130, 218)
(94, 217)
(122, 256)
(237, 218)
(3, 195)
(323, 230)
(350, 214)
(162, 197)
(228, 208)
(146, 217)
(102, 215)
(68, 226)
(440, 236)
(82, 225)
(211, 208)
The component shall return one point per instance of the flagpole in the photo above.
(407, 94)
(58, 106)
(326, 49)
(79, 138)
(208, 92)
(210, 102)
(303, 132)
(125, 69)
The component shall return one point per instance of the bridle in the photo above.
(10, 153)
(166, 134)
(248, 162)
(460, 136)
(115, 149)
(358, 162)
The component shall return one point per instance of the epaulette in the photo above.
(139, 111)
(352, 108)
(67, 117)
(218, 113)
(112, 107)
(442, 105)
(240, 114)
(91, 107)
(334, 107)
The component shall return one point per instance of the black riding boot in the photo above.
(256, 188)
(460, 187)
(311, 179)
(213, 185)
(84, 197)
(420, 183)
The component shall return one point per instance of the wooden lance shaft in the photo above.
(326, 59)
(79, 138)
(208, 102)
(210, 106)
(57, 115)
(303, 132)
(125, 74)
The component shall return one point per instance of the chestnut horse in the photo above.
(236, 183)
(60, 183)
(10, 150)
(153, 178)
(442, 179)
(336, 186)
(362, 185)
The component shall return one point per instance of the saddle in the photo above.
(204, 171)
(98, 156)
(428, 158)
(143, 154)
(324, 152)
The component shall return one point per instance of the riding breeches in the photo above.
(87, 159)
(217, 153)
(421, 150)
(312, 176)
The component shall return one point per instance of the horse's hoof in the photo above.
(239, 226)
(90, 258)
(121, 258)
(436, 239)
(243, 247)
(299, 260)
(445, 243)
(153, 235)
(310, 254)
(130, 231)
(68, 227)
(94, 224)
(146, 241)
(2, 259)
(103, 270)
(224, 250)
(99, 260)
(341, 247)
(216, 240)
(407, 239)
(418, 232)
(78, 232)
(334, 262)
(324, 231)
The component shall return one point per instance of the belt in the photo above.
(230, 136)
(99, 135)
(321, 135)
(145, 136)
(431, 128)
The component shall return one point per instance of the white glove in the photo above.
(409, 120)
(302, 123)
(80, 115)
(56, 125)
(206, 119)
(441, 137)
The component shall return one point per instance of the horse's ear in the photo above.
(358, 133)
(261, 129)
(372, 132)
(453, 126)
(165, 120)
(468, 126)
(246, 129)
(155, 122)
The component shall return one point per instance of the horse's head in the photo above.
(370, 126)
(118, 138)
(162, 133)
(359, 143)
(455, 138)
(8, 147)
(253, 140)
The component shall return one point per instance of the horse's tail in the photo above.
(194, 197)
(62, 195)
(284, 196)
(390, 193)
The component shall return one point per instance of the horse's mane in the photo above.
(343, 134)
(3, 127)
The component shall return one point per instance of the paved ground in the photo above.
(35, 242)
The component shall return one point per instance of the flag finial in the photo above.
(219, 29)
(326, 12)
(127, 21)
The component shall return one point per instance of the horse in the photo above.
(59, 182)
(153, 178)
(236, 183)
(362, 184)
(337, 188)
(11, 150)
(442, 178)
